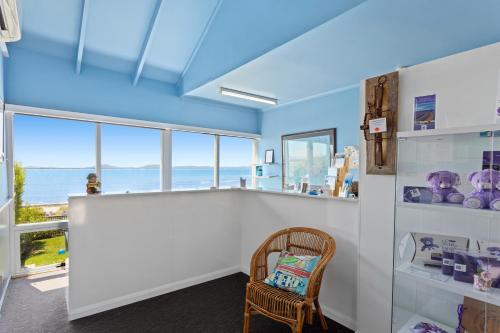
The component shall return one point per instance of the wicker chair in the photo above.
(284, 306)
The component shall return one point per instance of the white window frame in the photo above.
(165, 162)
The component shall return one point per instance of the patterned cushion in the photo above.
(292, 272)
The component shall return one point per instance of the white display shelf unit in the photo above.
(432, 277)
(448, 207)
(459, 150)
(449, 131)
(418, 319)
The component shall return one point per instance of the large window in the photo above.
(192, 160)
(130, 158)
(52, 159)
(235, 161)
(307, 156)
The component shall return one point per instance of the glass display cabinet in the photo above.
(447, 231)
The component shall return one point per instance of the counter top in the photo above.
(293, 194)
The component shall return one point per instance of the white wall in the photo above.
(265, 213)
(5, 273)
(125, 248)
(465, 85)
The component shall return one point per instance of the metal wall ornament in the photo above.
(380, 123)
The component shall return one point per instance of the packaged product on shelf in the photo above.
(429, 247)
(449, 247)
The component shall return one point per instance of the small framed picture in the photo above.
(269, 157)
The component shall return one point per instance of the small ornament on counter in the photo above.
(93, 184)
(243, 182)
(424, 327)
(259, 170)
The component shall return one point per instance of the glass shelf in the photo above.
(422, 293)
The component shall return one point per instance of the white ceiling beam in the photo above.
(83, 32)
(147, 41)
(200, 41)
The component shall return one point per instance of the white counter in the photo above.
(129, 247)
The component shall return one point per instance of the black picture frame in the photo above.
(269, 156)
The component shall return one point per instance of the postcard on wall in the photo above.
(491, 160)
(425, 113)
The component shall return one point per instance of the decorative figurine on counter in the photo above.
(443, 187)
(486, 194)
(93, 185)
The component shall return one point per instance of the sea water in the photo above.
(43, 186)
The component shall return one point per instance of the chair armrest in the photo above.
(258, 264)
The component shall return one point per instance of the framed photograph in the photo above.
(269, 157)
(425, 113)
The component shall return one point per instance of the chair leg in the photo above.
(322, 319)
(246, 319)
(300, 321)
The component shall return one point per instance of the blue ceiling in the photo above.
(160, 38)
(286, 49)
(375, 37)
(117, 31)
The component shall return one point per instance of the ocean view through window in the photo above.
(56, 156)
(130, 159)
(235, 161)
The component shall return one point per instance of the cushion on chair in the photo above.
(292, 272)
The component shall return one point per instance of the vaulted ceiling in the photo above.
(153, 37)
(289, 50)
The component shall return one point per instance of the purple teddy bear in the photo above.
(487, 190)
(443, 189)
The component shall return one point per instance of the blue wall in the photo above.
(3, 166)
(337, 110)
(35, 79)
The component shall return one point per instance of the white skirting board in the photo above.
(4, 292)
(327, 311)
(145, 294)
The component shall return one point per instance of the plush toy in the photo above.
(443, 190)
(486, 192)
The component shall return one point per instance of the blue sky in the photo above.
(47, 142)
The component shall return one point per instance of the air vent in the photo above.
(9, 21)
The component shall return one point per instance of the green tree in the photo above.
(24, 214)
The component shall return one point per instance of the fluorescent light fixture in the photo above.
(248, 96)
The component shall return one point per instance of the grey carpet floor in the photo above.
(215, 306)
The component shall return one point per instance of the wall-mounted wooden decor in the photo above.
(380, 123)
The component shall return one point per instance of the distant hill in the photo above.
(148, 166)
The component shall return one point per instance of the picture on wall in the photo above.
(269, 156)
(425, 113)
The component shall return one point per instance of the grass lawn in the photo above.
(48, 253)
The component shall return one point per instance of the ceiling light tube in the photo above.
(248, 96)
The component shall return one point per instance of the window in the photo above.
(192, 160)
(43, 248)
(307, 155)
(52, 159)
(235, 161)
(130, 158)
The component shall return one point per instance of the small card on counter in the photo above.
(378, 125)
